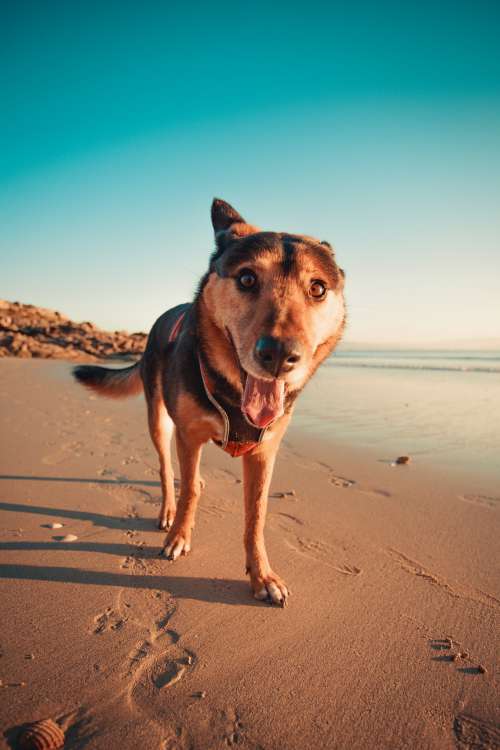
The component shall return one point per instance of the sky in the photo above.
(373, 125)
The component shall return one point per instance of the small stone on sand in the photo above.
(54, 525)
(68, 538)
(403, 460)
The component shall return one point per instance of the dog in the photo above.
(229, 366)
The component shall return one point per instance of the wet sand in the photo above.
(389, 640)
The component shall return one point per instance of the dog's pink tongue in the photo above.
(263, 400)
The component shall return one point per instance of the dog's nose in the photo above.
(277, 355)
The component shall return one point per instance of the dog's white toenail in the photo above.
(176, 551)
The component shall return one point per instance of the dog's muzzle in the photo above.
(277, 356)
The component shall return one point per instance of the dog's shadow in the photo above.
(98, 519)
(223, 591)
(213, 590)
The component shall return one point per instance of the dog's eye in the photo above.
(317, 290)
(247, 279)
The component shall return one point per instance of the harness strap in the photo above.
(176, 328)
(205, 379)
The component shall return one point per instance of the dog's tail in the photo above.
(108, 382)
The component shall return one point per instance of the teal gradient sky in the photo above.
(375, 126)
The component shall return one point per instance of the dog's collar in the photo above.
(233, 447)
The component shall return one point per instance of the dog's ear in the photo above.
(227, 221)
(223, 215)
(228, 226)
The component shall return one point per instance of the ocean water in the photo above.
(442, 407)
(442, 361)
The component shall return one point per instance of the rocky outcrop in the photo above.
(29, 331)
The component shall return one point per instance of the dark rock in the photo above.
(27, 330)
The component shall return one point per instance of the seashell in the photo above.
(68, 538)
(42, 735)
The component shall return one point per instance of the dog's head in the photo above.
(278, 297)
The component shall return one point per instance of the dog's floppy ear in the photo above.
(226, 220)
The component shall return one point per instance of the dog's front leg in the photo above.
(178, 541)
(257, 473)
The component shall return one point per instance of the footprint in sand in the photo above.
(108, 620)
(130, 460)
(155, 666)
(234, 730)
(169, 674)
(216, 473)
(139, 653)
(136, 563)
(284, 521)
(318, 550)
(112, 475)
(341, 481)
(64, 452)
(213, 510)
(138, 494)
(348, 570)
(335, 479)
(472, 732)
(487, 501)
(158, 662)
(295, 520)
(374, 491)
(178, 741)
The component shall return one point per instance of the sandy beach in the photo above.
(389, 640)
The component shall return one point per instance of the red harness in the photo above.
(233, 447)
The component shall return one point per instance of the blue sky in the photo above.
(373, 125)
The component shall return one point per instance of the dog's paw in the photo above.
(166, 520)
(177, 543)
(270, 588)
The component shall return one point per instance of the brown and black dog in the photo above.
(228, 367)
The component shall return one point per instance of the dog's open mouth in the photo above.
(263, 401)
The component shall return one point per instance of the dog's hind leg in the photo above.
(178, 541)
(161, 428)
